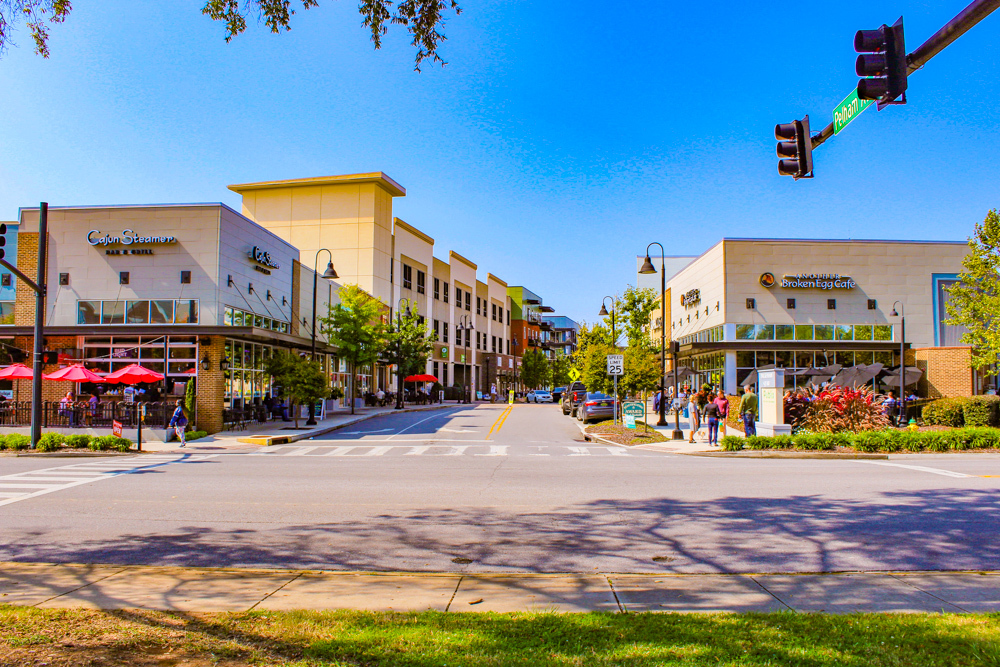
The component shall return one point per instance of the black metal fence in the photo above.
(82, 414)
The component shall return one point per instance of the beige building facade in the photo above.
(747, 303)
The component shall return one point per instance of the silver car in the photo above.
(596, 405)
(539, 396)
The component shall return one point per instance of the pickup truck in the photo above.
(571, 398)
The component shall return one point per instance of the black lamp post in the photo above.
(329, 274)
(614, 341)
(902, 359)
(465, 326)
(647, 268)
(399, 356)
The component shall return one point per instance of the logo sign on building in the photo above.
(825, 281)
(263, 260)
(767, 279)
(691, 298)
(444, 352)
(616, 364)
(127, 237)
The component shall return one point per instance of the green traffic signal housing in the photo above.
(882, 61)
(795, 149)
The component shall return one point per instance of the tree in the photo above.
(408, 346)
(423, 19)
(636, 305)
(642, 371)
(593, 347)
(355, 326)
(975, 298)
(300, 381)
(559, 371)
(534, 369)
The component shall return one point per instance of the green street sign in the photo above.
(635, 409)
(848, 110)
(574, 374)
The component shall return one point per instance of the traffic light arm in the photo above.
(17, 272)
(958, 26)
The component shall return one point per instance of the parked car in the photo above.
(539, 396)
(572, 397)
(557, 394)
(596, 405)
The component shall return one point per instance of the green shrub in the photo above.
(78, 440)
(195, 435)
(936, 441)
(912, 441)
(811, 441)
(869, 441)
(782, 442)
(892, 440)
(945, 412)
(50, 442)
(3, 442)
(17, 442)
(757, 442)
(119, 444)
(100, 443)
(731, 443)
(983, 438)
(981, 411)
(835, 440)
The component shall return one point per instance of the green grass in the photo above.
(30, 636)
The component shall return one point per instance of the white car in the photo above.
(539, 396)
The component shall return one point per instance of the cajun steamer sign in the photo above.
(128, 237)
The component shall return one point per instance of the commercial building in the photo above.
(747, 303)
(559, 335)
(203, 293)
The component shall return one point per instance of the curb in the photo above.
(268, 440)
(762, 454)
(71, 455)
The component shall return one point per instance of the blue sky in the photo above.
(561, 138)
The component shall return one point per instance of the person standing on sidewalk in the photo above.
(712, 417)
(178, 422)
(748, 410)
(723, 404)
(694, 415)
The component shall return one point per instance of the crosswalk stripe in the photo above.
(302, 451)
(417, 451)
(496, 450)
(457, 450)
(616, 451)
(579, 451)
(378, 451)
(9, 485)
(341, 451)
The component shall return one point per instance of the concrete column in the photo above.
(730, 373)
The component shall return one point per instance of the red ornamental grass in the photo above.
(843, 409)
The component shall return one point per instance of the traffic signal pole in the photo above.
(958, 26)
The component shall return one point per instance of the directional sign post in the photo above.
(848, 110)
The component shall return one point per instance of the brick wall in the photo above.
(27, 261)
(947, 371)
(211, 386)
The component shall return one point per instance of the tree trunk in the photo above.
(353, 384)
(295, 415)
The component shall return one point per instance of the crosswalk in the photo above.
(368, 451)
(30, 484)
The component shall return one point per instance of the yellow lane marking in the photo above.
(499, 422)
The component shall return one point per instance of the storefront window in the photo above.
(784, 359)
(784, 332)
(246, 381)
(824, 332)
(861, 357)
(745, 332)
(110, 354)
(88, 312)
(764, 332)
(863, 332)
(803, 359)
(234, 317)
(845, 359)
(161, 312)
(137, 312)
(803, 332)
(227, 318)
(885, 358)
(883, 332)
(765, 358)
(744, 359)
(844, 332)
(186, 312)
(113, 312)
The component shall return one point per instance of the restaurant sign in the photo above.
(825, 281)
(263, 259)
(691, 298)
(128, 237)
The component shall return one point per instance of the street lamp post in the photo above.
(614, 341)
(329, 274)
(399, 356)
(647, 268)
(465, 326)
(902, 359)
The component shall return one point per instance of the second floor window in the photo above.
(468, 301)
(479, 306)
(437, 329)
(437, 288)
(421, 282)
(407, 277)
(445, 299)
(494, 314)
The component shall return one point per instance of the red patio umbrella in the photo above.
(420, 378)
(134, 374)
(16, 372)
(76, 373)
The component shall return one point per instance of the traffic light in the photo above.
(3, 239)
(795, 146)
(883, 61)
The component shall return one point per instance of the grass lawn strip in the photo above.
(626, 436)
(84, 637)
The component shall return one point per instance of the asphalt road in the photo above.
(515, 490)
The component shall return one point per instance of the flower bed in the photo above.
(626, 436)
(886, 440)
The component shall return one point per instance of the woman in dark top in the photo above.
(712, 414)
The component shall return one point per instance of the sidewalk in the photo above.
(274, 433)
(213, 590)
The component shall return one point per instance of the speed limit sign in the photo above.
(616, 364)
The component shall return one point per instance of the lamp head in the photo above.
(330, 274)
(893, 313)
(604, 311)
(647, 267)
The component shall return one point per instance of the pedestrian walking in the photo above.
(178, 422)
(748, 410)
(493, 393)
(694, 415)
(712, 417)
